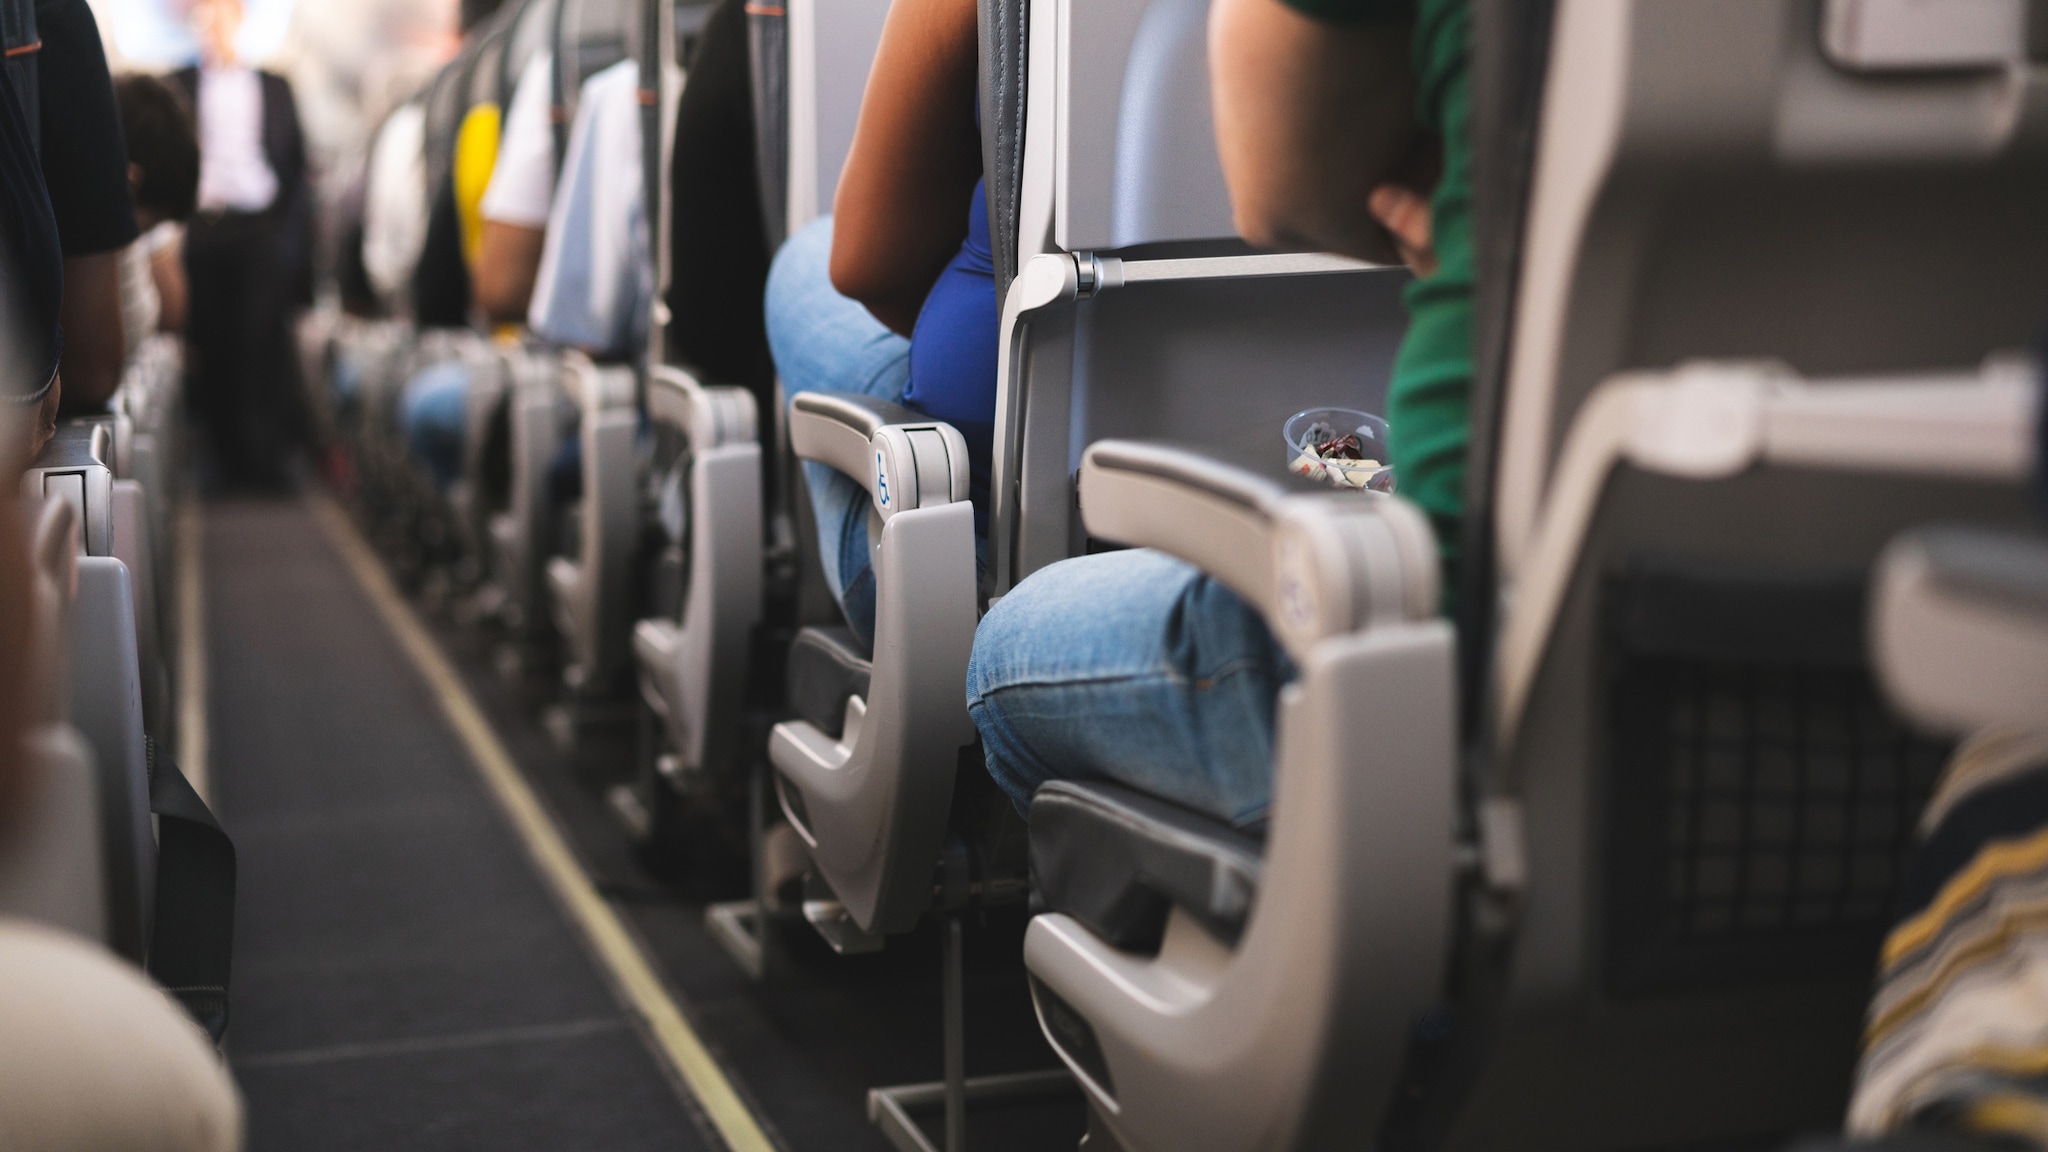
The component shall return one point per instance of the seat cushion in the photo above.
(826, 665)
(1116, 860)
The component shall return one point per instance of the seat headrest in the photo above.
(1138, 141)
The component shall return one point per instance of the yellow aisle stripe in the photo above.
(192, 749)
(608, 937)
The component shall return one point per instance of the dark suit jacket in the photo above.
(284, 149)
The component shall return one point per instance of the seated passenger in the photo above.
(894, 294)
(163, 170)
(1132, 666)
(86, 167)
(594, 286)
(434, 404)
(31, 297)
(515, 205)
(1956, 1024)
(395, 204)
(96, 1055)
(718, 241)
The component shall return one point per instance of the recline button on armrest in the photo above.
(68, 487)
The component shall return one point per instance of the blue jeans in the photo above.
(1130, 667)
(434, 412)
(824, 342)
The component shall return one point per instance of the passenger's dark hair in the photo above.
(162, 142)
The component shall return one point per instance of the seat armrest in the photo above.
(709, 416)
(1314, 564)
(595, 387)
(903, 458)
(73, 467)
(1959, 628)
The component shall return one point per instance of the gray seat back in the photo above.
(445, 104)
(529, 36)
(106, 705)
(1004, 48)
(52, 868)
(1096, 128)
(831, 45)
(102, 685)
(484, 81)
(1136, 312)
(589, 37)
(768, 73)
(1696, 805)
(74, 468)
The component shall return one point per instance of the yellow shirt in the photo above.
(476, 154)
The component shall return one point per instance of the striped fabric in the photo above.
(1957, 1036)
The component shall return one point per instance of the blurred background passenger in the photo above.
(86, 167)
(163, 169)
(442, 289)
(515, 205)
(594, 287)
(718, 241)
(433, 406)
(248, 256)
(395, 206)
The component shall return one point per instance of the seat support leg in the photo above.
(741, 926)
(956, 1039)
(894, 1110)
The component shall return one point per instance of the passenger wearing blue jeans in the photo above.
(1128, 666)
(1132, 666)
(894, 296)
(825, 342)
(434, 411)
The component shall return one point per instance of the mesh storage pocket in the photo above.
(1761, 799)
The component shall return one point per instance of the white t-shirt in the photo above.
(140, 304)
(596, 278)
(395, 202)
(232, 171)
(522, 186)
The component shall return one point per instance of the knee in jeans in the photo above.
(794, 280)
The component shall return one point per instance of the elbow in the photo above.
(498, 304)
(1259, 222)
(891, 303)
(502, 295)
(1273, 214)
(507, 264)
(855, 278)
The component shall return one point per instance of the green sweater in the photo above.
(1429, 398)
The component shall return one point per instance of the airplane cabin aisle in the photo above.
(404, 978)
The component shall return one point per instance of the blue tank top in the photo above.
(953, 352)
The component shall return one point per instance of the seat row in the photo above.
(114, 848)
(1596, 856)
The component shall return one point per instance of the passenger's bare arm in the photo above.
(93, 344)
(901, 210)
(507, 260)
(167, 271)
(1311, 117)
